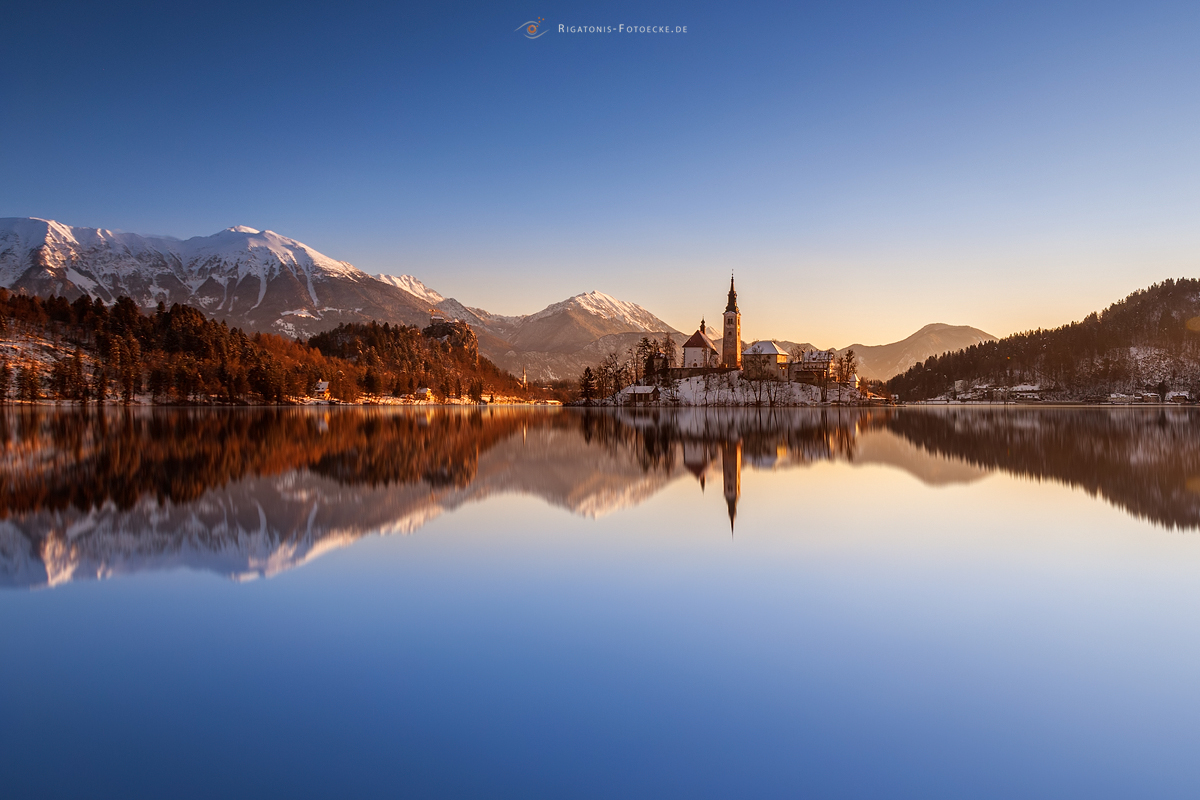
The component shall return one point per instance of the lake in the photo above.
(346, 602)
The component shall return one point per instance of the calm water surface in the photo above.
(356, 603)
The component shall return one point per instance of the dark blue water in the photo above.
(542, 605)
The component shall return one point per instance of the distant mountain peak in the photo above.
(885, 360)
(619, 312)
(244, 229)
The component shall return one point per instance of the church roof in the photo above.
(766, 348)
(699, 340)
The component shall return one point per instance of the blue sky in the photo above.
(864, 168)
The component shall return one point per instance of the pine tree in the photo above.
(587, 384)
(29, 384)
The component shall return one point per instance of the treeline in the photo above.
(399, 360)
(1149, 341)
(87, 351)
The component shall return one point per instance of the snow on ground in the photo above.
(21, 348)
(733, 389)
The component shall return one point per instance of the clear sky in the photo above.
(864, 168)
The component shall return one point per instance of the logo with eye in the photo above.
(530, 29)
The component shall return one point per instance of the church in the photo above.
(700, 351)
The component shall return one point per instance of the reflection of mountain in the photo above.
(883, 447)
(255, 492)
(258, 492)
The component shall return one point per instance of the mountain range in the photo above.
(259, 280)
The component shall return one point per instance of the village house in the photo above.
(813, 366)
(641, 395)
(765, 359)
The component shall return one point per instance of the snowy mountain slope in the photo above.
(579, 321)
(413, 286)
(254, 279)
(630, 316)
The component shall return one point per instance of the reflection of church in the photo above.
(698, 457)
(731, 472)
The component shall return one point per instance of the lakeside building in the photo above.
(765, 359)
(642, 395)
(814, 366)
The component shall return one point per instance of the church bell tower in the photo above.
(731, 344)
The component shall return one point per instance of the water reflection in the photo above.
(250, 493)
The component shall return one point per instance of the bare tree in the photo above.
(610, 373)
(670, 350)
(778, 392)
(845, 367)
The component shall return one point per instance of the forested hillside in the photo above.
(88, 351)
(1150, 341)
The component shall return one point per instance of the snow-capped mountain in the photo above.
(255, 279)
(628, 315)
(413, 286)
(577, 322)
(556, 342)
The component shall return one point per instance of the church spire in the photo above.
(732, 296)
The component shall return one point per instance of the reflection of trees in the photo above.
(54, 461)
(653, 436)
(1145, 461)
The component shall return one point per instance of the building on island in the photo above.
(322, 390)
(765, 359)
(698, 351)
(641, 395)
(814, 366)
(731, 341)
